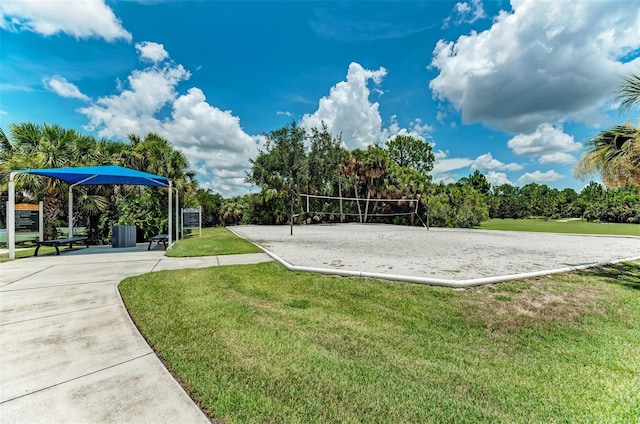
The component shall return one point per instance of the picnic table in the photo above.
(160, 238)
(61, 241)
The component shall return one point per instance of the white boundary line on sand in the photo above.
(433, 281)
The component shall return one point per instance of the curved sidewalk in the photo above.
(68, 349)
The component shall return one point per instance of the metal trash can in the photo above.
(123, 236)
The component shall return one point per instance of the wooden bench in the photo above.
(160, 238)
(63, 241)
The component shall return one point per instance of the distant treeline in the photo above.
(294, 162)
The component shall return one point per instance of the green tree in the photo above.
(210, 203)
(477, 181)
(409, 152)
(505, 202)
(457, 205)
(326, 154)
(32, 146)
(629, 92)
(281, 170)
(614, 154)
(372, 168)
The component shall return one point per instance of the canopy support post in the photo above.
(11, 217)
(170, 224)
(70, 211)
(177, 220)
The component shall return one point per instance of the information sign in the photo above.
(27, 218)
(191, 218)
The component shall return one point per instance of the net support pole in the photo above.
(291, 218)
(11, 217)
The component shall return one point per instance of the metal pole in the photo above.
(11, 218)
(41, 221)
(70, 212)
(291, 201)
(177, 220)
(170, 224)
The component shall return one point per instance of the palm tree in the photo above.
(629, 92)
(35, 146)
(615, 152)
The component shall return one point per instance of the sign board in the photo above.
(192, 218)
(27, 218)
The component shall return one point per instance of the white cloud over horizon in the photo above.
(80, 19)
(64, 88)
(549, 143)
(212, 139)
(497, 178)
(542, 63)
(540, 177)
(486, 162)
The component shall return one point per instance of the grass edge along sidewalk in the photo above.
(257, 343)
(214, 241)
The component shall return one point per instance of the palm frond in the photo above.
(629, 92)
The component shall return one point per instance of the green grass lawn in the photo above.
(552, 226)
(214, 241)
(24, 253)
(257, 344)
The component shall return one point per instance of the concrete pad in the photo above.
(10, 274)
(137, 391)
(65, 274)
(69, 351)
(41, 353)
(24, 305)
(438, 253)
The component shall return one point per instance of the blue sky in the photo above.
(509, 88)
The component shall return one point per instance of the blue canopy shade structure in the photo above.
(88, 175)
(93, 175)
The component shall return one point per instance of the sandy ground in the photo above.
(450, 254)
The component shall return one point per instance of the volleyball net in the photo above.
(355, 209)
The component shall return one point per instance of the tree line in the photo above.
(389, 181)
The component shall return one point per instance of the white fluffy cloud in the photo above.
(542, 62)
(465, 12)
(153, 52)
(212, 139)
(443, 166)
(416, 129)
(540, 177)
(550, 143)
(497, 178)
(347, 109)
(557, 157)
(64, 88)
(80, 19)
(486, 162)
(133, 110)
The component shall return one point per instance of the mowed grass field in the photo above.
(214, 241)
(257, 343)
(561, 226)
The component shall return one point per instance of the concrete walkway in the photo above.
(68, 349)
